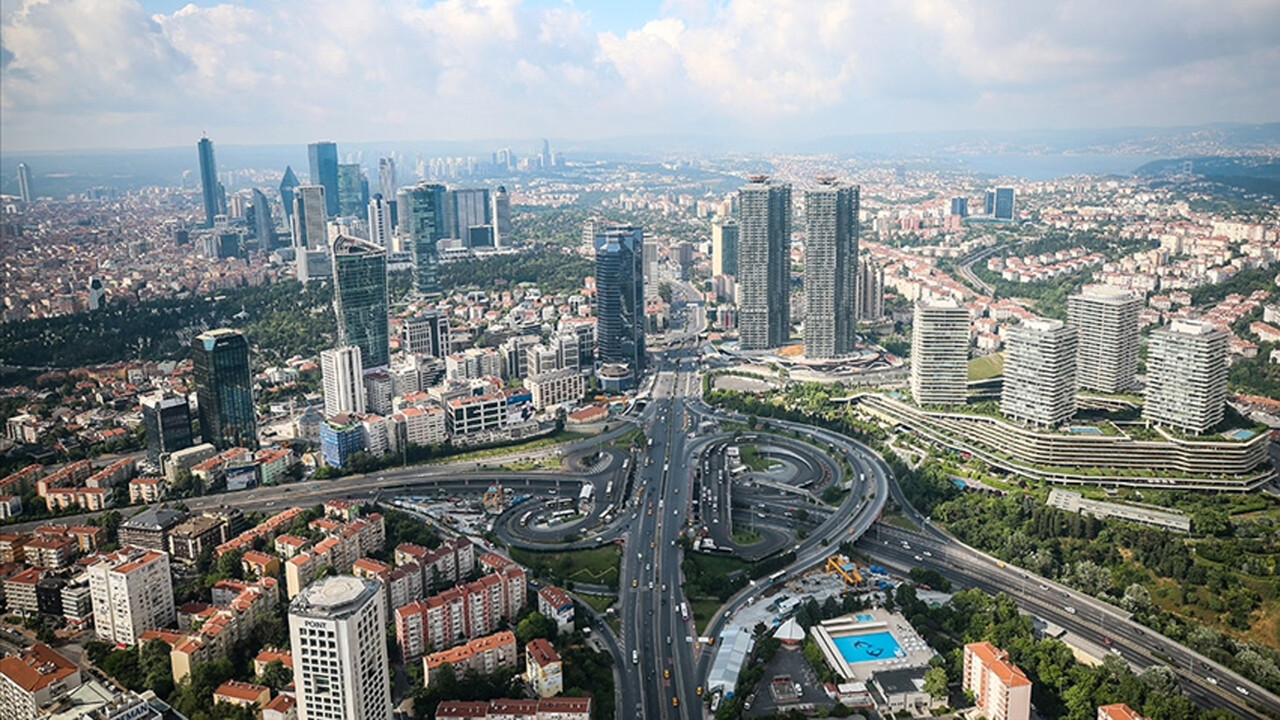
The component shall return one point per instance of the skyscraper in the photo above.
(167, 419)
(422, 212)
(724, 246)
(1039, 372)
(353, 189)
(215, 201)
(427, 334)
(1003, 208)
(652, 281)
(97, 293)
(620, 295)
(381, 231)
(1107, 320)
(310, 229)
(989, 202)
(287, 184)
(337, 632)
(324, 171)
(546, 155)
(1186, 376)
(502, 217)
(466, 208)
(870, 295)
(24, 182)
(960, 206)
(831, 269)
(224, 389)
(343, 375)
(939, 352)
(263, 227)
(764, 264)
(387, 178)
(360, 298)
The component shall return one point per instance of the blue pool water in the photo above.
(1240, 434)
(867, 647)
(864, 617)
(1085, 430)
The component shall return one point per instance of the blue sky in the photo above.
(145, 73)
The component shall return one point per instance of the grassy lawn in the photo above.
(703, 609)
(987, 366)
(599, 603)
(746, 537)
(634, 437)
(897, 519)
(597, 566)
(751, 458)
(547, 463)
(563, 436)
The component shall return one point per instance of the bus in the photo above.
(684, 612)
(776, 576)
(561, 515)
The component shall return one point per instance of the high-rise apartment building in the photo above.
(324, 171)
(336, 633)
(462, 612)
(650, 268)
(343, 375)
(831, 269)
(422, 214)
(870, 289)
(1186, 376)
(999, 687)
(215, 199)
(381, 230)
(764, 264)
(960, 206)
(620, 295)
(939, 352)
(287, 185)
(24, 182)
(1039, 372)
(132, 592)
(353, 189)
(360, 298)
(310, 228)
(167, 419)
(224, 389)
(427, 334)
(502, 217)
(1106, 318)
(466, 208)
(724, 246)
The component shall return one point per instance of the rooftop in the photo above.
(333, 597)
(37, 667)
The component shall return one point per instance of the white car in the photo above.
(1242, 690)
(1212, 680)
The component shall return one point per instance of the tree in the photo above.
(1160, 680)
(230, 567)
(157, 671)
(935, 682)
(1136, 598)
(275, 675)
(535, 625)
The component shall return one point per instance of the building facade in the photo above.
(336, 633)
(132, 592)
(167, 419)
(323, 157)
(1106, 319)
(360, 299)
(427, 333)
(999, 688)
(620, 295)
(1186, 376)
(764, 264)
(422, 219)
(724, 246)
(342, 373)
(939, 352)
(870, 289)
(1039, 373)
(215, 198)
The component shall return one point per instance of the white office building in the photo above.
(132, 592)
(381, 231)
(343, 377)
(939, 352)
(1039, 372)
(1186, 376)
(337, 631)
(556, 387)
(1107, 348)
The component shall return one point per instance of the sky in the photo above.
(84, 74)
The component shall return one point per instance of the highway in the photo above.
(1087, 617)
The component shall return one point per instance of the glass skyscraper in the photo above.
(620, 295)
(224, 388)
(287, 184)
(324, 171)
(422, 215)
(360, 298)
(215, 201)
(353, 190)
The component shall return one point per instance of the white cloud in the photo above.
(92, 73)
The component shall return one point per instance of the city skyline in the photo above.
(544, 68)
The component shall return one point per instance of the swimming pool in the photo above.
(1084, 430)
(865, 617)
(867, 647)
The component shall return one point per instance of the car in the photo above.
(635, 582)
(668, 639)
(666, 672)
(926, 553)
(1106, 640)
(1212, 680)
(917, 558)
(652, 544)
(799, 689)
(1069, 609)
(1043, 586)
(269, 504)
(675, 701)
(700, 690)
(1242, 690)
